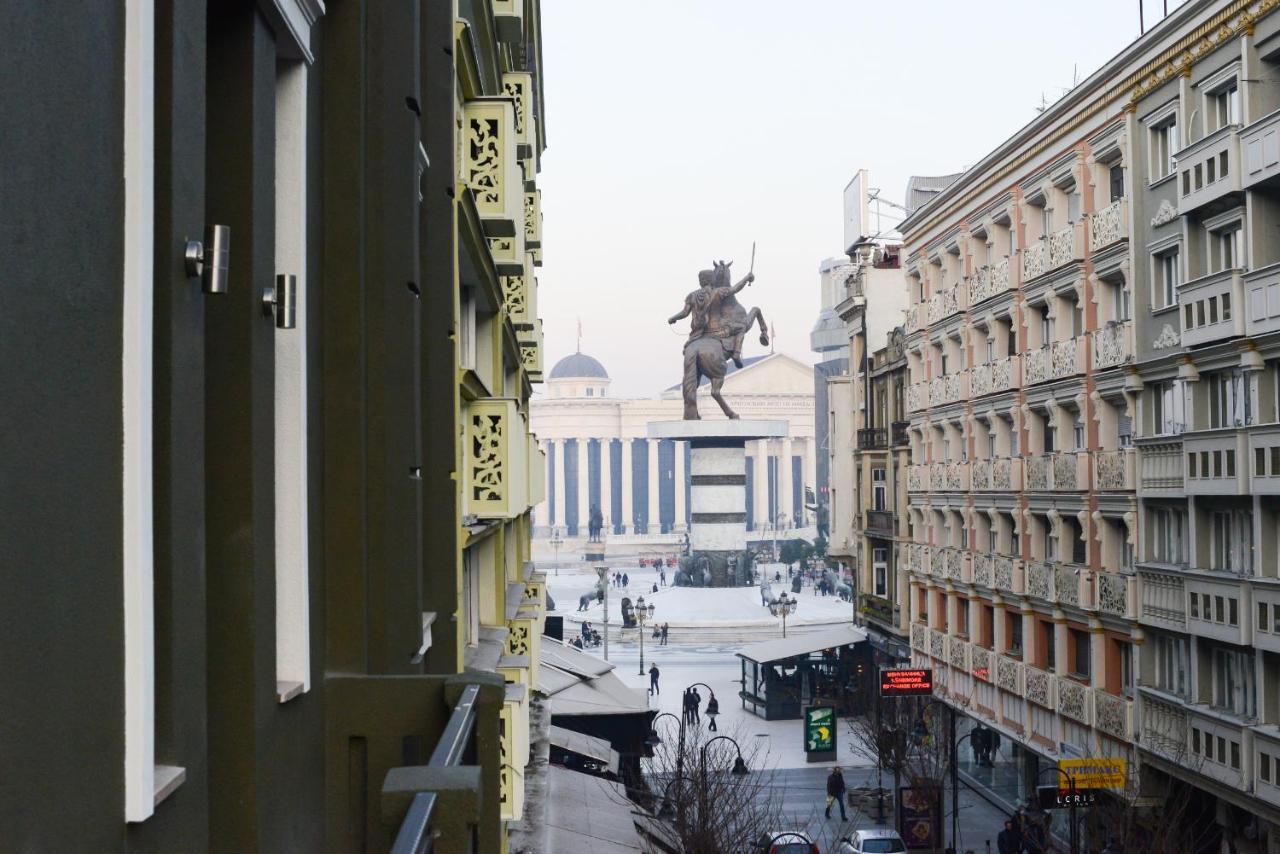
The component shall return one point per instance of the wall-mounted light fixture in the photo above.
(282, 300)
(211, 259)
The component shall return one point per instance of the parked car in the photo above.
(872, 840)
(786, 842)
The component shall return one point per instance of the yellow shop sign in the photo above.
(1094, 773)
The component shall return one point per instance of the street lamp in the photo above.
(556, 543)
(783, 606)
(643, 614)
(602, 571)
(739, 764)
(1073, 842)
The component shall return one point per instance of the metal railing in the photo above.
(873, 439)
(415, 836)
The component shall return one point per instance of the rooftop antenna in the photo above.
(579, 334)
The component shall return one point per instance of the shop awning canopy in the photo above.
(784, 648)
(579, 683)
(585, 745)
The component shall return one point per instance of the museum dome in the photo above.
(578, 366)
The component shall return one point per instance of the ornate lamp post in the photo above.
(603, 571)
(784, 606)
(556, 543)
(643, 613)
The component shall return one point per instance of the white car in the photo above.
(873, 840)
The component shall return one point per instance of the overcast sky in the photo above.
(679, 131)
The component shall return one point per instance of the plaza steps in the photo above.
(702, 635)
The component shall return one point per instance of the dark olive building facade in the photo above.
(268, 332)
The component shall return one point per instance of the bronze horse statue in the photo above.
(716, 329)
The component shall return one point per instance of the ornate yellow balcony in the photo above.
(494, 461)
(491, 170)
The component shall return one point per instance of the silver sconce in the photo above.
(282, 300)
(211, 260)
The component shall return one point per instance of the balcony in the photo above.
(938, 561)
(1161, 466)
(1002, 474)
(1115, 594)
(1109, 225)
(995, 377)
(948, 302)
(1210, 308)
(1113, 715)
(955, 565)
(1009, 674)
(938, 476)
(491, 170)
(1041, 581)
(1114, 471)
(1009, 574)
(988, 282)
(938, 644)
(880, 522)
(1055, 361)
(983, 568)
(873, 439)
(1208, 169)
(1220, 607)
(1071, 585)
(957, 477)
(958, 653)
(951, 388)
(1056, 250)
(1217, 462)
(1066, 471)
(900, 433)
(1164, 726)
(1164, 598)
(917, 558)
(980, 661)
(912, 320)
(1075, 700)
(918, 396)
(1112, 345)
(1040, 686)
(1260, 144)
(1264, 452)
(494, 460)
(1263, 288)
(918, 478)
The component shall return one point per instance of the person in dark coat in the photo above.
(993, 747)
(695, 702)
(653, 679)
(835, 792)
(713, 709)
(1009, 840)
(626, 580)
(666, 627)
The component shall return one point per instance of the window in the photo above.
(1080, 648)
(1046, 327)
(991, 347)
(1233, 682)
(1164, 144)
(1230, 398)
(880, 571)
(1167, 277)
(1120, 304)
(1226, 248)
(1172, 656)
(1166, 407)
(467, 330)
(1232, 541)
(1167, 525)
(1124, 652)
(1077, 434)
(1048, 642)
(1050, 435)
(1015, 633)
(471, 596)
(879, 494)
(1050, 544)
(1264, 767)
(1224, 106)
(944, 364)
(993, 540)
(1116, 181)
(1073, 206)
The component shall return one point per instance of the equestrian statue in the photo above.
(717, 325)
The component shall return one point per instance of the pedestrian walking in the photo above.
(1009, 840)
(685, 707)
(695, 700)
(1035, 840)
(653, 679)
(835, 791)
(713, 709)
(662, 576)
(665, 629)
(978, 743)
(626, 581)
(993, 747)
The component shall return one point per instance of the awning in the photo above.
(579, 683)
(589, 815)
(777, 650)
(586, 745)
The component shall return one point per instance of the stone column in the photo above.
(606, 485)
(679, 486)
(584, 494)
(786, 498)
(627, 486)
(557, 513)
(809, 472)
(542, 513)
(655, 523)
(760, 486)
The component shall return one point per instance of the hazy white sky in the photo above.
(679, 131)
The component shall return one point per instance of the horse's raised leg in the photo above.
(689, 386)
(759, 319)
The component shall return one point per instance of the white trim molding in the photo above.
(293, 20)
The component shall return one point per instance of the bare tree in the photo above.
(907, 738)
(713, 802)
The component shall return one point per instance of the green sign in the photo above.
(820, 729)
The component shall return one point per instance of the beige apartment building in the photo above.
(1095, 426)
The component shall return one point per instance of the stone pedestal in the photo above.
(718, 481)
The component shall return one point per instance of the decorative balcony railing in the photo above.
(1005, 570)
(996, 377)
(1009, 674)
(919, 637)
(1164, 728)
(915, 557)
(1164, 599)
(1055, 361)
(1040, 581)
(948, 389)
(1109, 225)
(1112, 345)
(954, 569)
(1035, 260)
(913, 319)
(938, 562)
(1040, 473)
(958, 654)
(958, 477)
(1000, 276)
(1066, 584)
(983, 569)
(1073, 700)
(1114, 470)
(1162, 465)
(947, 302)
(1066, 245)
(980, 663)
(980, 285)
(880, 521)
(981, 474)
(1066, 471)
(937, 644)
(1006, 474)
(918, 478)
(938, 476)
(918, 396)
(873, 439)
(1040, 685)
(1115, 594)
(1113, 715)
